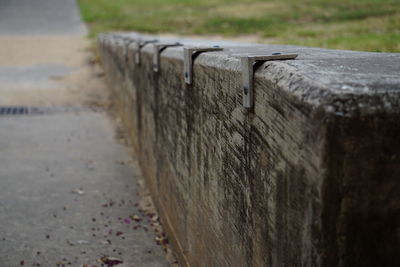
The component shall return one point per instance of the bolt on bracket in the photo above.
(189, 54)
(138, 45)
(248, 68)
(158, 48)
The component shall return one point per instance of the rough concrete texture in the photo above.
(308, 177)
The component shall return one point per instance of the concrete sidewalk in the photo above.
(40, 17)
(69, 190)
(69, 194)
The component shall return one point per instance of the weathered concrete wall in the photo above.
(308, 177)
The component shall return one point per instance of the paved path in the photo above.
(69, 190)
(32, 17)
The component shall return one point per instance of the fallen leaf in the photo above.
(111, 261)
(136, 218)
(78, 191)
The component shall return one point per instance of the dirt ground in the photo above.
(82, 84)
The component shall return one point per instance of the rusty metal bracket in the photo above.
(249, 66)
(138, 45)
(189, 53)
(158, 48)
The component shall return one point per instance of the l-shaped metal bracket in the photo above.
(158, 48)
(189, 54)
(138, 44)
(248, 68)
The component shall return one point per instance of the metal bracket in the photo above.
(138, 47)
(158, 48)
(189, 54)
(248, 67)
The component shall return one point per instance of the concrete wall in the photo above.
(308, 177)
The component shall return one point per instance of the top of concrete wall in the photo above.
(344, 82)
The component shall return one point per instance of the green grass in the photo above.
(370, 25)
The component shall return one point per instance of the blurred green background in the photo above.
(370, 25)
